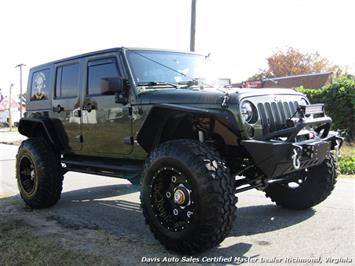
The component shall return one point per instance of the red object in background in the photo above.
(4, 104)
(254, 84)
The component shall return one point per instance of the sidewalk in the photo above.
(13, 138)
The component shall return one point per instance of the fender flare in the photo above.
(151, 131)
(30, 126)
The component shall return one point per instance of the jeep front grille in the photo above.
(273, 115)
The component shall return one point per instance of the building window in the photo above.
(67, 83)
(40, 85)
(98, 72)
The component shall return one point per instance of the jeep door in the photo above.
(105, 124)
(66, 103)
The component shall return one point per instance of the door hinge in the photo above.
(80, 138)
(128, 140)
(127, 110)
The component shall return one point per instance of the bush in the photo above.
(339, 100)
(347, 165)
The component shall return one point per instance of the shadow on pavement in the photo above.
(103, 208)
(266, 218)
(102, 192)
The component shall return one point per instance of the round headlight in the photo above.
(247, 111)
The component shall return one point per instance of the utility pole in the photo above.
(193, 25)
(10, 115)
(20, 66)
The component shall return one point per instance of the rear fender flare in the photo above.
(31, 126)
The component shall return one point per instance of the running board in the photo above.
(122, 168)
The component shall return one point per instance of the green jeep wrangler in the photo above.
(154, 118)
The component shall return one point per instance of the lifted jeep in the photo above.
(152, 117)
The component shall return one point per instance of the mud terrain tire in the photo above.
(38, 173)
(317, 187)
(212, 193)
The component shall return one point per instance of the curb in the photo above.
(13, 142)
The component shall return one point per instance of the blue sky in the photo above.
(239, 34)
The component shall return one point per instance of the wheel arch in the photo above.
(42, 127)
(167, 121)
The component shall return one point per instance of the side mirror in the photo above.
(109, 86)
(122, 95)
(116, 86)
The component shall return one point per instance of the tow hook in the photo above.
(296, 157)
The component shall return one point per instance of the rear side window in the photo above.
(40, 85)
(67, 82)
(99, 70)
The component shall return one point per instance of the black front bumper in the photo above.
(276, 158)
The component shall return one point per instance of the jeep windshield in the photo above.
(161, 69)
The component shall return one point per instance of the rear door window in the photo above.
(67, 81)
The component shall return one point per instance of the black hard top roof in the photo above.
(111, 50)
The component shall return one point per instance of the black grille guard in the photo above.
(292, 132)
(275, 157)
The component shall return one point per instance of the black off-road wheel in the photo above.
(39, 173)
(309, 188)
(187, 196)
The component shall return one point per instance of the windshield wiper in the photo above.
(196, 82)
(189, 83)
(157, 83)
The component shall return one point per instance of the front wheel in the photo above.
(311, 186)
(187, 196)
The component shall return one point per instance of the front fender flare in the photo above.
(150, 133)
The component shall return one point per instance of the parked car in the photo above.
(151, 116)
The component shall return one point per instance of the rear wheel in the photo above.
(38, 173)
(188, 196)
(310, 186)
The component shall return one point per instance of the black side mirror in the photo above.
(116, 86)
(109, 86)
(122, 95)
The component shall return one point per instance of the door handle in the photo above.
(58, 108)
(89, 107)
(77, 113)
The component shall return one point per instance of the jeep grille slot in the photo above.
(273, 115)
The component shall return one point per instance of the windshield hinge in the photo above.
(225, 100)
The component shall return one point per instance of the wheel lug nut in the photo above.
(173, 179)
(168, 194)
(176, 212)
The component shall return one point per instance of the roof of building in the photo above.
(312, 81)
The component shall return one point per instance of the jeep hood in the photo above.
(206, 96)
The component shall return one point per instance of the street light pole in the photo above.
(10, 115)
(193, 25)
(20, 66)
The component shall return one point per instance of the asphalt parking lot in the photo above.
(93, 208)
